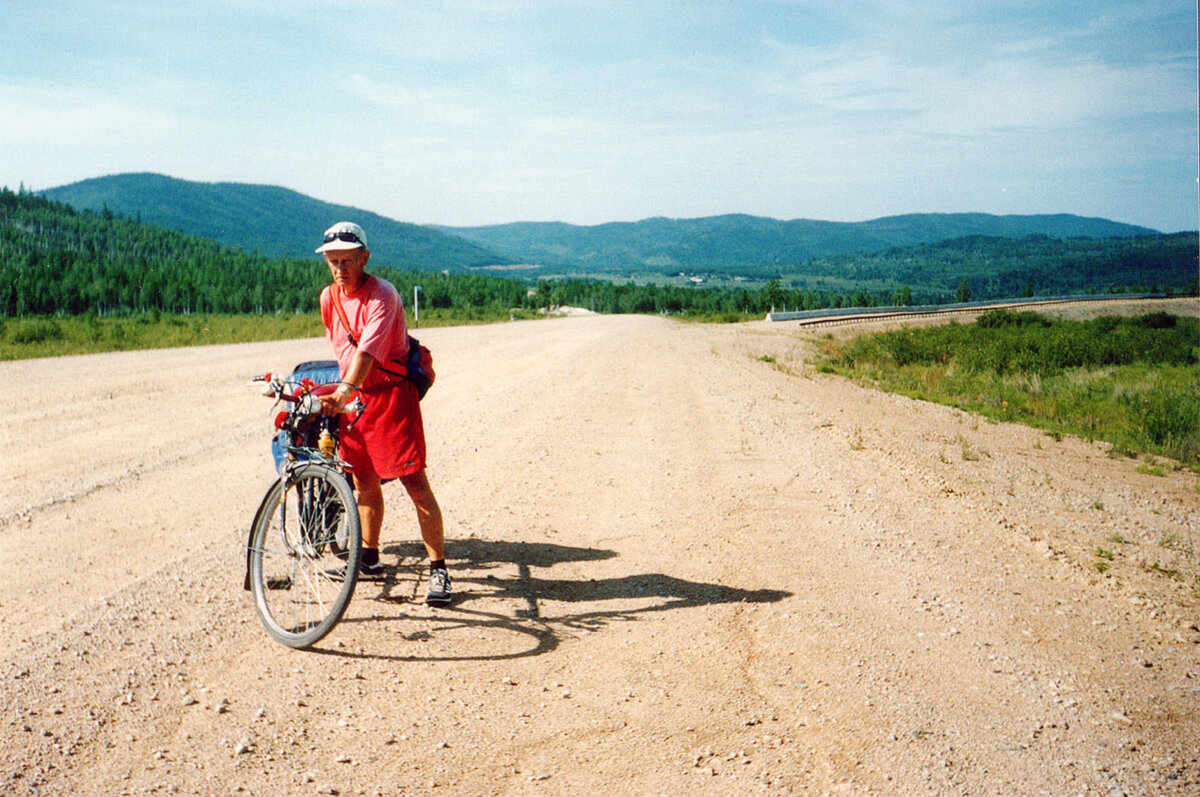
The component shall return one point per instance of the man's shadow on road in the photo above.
(484, 568)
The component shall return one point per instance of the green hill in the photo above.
(993, 267)
(274, 221)
(278, 222)
(55, 260)
(739, 244)
(928, 257)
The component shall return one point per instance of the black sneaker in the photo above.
(375, 572)
(438, 592)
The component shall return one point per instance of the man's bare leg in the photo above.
(369, 495)
(429, 514)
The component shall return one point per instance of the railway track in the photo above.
(858, 315)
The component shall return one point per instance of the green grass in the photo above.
(53, 336)
(1132, 382)
(1177, 543)
(717, 318)
(1170, 572)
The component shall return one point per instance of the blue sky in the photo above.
(486, 111)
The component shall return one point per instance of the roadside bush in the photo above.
(1026, 342)
(1129, 381)
(37, 330)
(1168, 414)
(1158, 320)
(904, 348)
(994, 319)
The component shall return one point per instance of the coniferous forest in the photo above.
(55, 260)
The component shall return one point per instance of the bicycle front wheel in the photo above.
(301, 584)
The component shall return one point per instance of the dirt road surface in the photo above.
(685, 563)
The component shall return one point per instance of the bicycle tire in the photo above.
(301, 587)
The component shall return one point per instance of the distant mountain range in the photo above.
(725, 243)
(55, 259)
(279, 222)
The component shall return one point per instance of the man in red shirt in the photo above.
(387, 442)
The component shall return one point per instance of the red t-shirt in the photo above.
(376, 316)
(389, 438)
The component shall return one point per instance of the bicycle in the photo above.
(304, 547)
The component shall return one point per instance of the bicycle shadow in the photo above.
(482, 572)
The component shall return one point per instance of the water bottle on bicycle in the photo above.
(305, 540)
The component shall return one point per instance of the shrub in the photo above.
(903, 348)
(1170, 417)
(1130, 381)
(37, 330)
(994, 319)
(1159, 320)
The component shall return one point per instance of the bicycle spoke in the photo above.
(297, 599)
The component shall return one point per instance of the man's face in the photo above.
(346, 267)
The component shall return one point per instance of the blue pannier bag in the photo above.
(320, 372)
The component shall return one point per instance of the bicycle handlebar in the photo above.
(306, 402)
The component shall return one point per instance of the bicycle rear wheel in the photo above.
(301, 587)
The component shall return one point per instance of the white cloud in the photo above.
(440, 108)
(567, 128)
(59, 117)
(465, 111)
(948, 95)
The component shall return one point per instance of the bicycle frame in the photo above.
(305, 410)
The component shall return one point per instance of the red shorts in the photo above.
(388, 440)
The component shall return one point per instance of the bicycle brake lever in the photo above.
(357, 406)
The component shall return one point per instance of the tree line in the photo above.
(996, 268)
(57, 260)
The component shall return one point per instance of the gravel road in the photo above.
(685, 563)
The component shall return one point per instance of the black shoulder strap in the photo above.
(335, 294)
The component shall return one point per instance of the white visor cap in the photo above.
(343, 235)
